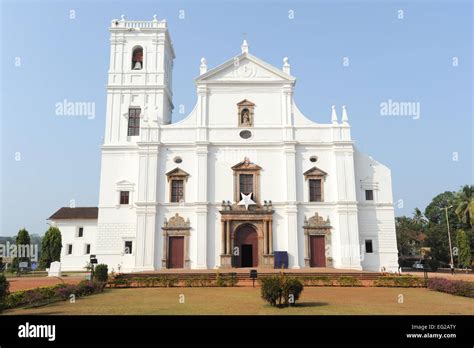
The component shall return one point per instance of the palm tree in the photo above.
(464, 203)
(418, 217)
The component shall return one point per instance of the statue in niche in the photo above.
(245, 121)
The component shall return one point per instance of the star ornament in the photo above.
(246, 200)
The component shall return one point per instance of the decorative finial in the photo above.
(344, 115)
(245, 47)
(333, 114)
(122, 18)
(203, 66)
(286, 66)
(154, 18)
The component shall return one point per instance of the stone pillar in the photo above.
(265, 237)
(164, 260)
(270, 237)
(227, 231)
(223, 235)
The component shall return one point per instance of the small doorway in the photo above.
(176, 252)
(247, 243)
(247, 259)
(318, 258)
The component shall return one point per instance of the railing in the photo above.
(123, 23)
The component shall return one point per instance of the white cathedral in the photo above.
(245, 180)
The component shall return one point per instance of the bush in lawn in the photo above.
(4, 286)
(281, 290)
(101, 272)
(453, 287)
(271, 290)
(291, 291)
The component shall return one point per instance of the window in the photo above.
(368, 246)
(124, 197)
(80, 232)
(68, 249)
(177, 190)
(128, 247)
(315, 190)
(134, 122)
(137, 58)
(246, 183)
(88, 249)
(369, 195)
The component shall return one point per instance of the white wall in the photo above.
(69, 235)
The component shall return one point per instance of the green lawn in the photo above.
(314, 300)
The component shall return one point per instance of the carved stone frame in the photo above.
(316, 226)
(315, 173)
(261, 220)
(177, 174)
(176, 227)
(241, 106)
(247, 167)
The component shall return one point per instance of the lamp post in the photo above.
(449, 237)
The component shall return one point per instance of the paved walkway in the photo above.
(25, 283)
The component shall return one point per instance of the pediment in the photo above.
(177, 173)
(245, 68)
(246, 165)
(315, 171)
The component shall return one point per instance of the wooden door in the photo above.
(176, 252)
(318, 258)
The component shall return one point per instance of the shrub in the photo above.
(64, 291)
(120, 282)
(453, 287)
(349, 281)
(281, 290)
(271, 290)
(101, 272)
(292, 289)
(220, 280)
(4, 286)
(191, 282)
(166, 281)
(204, 281)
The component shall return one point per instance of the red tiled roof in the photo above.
(75, 213)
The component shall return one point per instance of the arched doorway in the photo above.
(247, 243)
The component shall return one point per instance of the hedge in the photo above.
(4, 286)
(399, 282)
(280, 290)
(170, 281)
(45, 295)
(453, 287)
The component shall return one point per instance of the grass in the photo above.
(315, 301)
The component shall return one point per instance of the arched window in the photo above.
(137, 58)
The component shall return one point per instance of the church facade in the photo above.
(245, 180)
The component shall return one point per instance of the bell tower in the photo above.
(139, 88)
(139, 100)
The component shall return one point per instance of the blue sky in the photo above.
(47, 160)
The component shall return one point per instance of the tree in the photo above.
(410, 233)
(464, 249)
(418, 218)
(23, 242)
(51, 247)
(437, 241)
(435, 213)
(464, 205)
